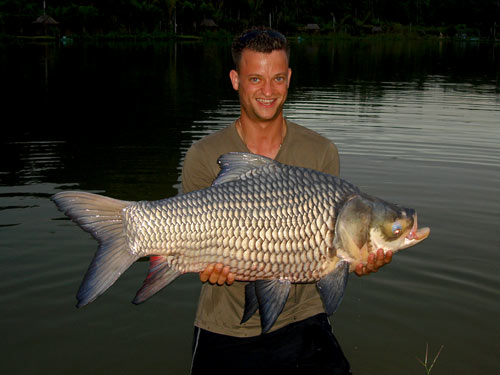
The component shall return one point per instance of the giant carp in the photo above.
(272, 223)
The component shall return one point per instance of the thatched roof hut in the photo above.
(46, 20)
(208, 23)
(312, 27)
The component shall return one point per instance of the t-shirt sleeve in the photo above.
(196, 174)
(331, 160)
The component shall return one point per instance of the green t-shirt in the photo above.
(220, 308)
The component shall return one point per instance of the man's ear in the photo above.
(289, 77)
(235, 79)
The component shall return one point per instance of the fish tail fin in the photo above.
(102, 218)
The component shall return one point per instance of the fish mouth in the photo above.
(416, 234)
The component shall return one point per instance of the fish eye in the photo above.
(396, 228)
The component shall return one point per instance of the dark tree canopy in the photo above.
(355, 17)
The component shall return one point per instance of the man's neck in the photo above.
(262, 138)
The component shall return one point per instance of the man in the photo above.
(301, 341)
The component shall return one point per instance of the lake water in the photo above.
(417, 123)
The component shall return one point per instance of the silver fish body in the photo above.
(277, 222)
(273, 224)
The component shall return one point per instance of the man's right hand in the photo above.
(217, 274)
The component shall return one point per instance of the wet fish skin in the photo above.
(267, 227)
(273, 224)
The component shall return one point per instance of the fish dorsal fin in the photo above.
(233, 165)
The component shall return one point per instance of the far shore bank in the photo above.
(225, 36)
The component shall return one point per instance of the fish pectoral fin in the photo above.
(352, 248)
(272, 296)
(332, 286)
(251, 302)
(159, 276)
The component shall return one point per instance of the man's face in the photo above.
(262, 84)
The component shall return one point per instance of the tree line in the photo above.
(355, 17)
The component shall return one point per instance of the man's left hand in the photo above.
(375, 261)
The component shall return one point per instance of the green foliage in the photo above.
(355, 17)
(426, 361)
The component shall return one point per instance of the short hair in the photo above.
(258, 39)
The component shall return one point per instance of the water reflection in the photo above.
(347, 62)
(415, 124)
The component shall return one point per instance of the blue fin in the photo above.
(251, 302)
(332, 286)
(272, 296)
(159, 276)
(102, 218)
(235, 164)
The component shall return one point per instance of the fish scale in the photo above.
(273, 224)
(298, 218)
